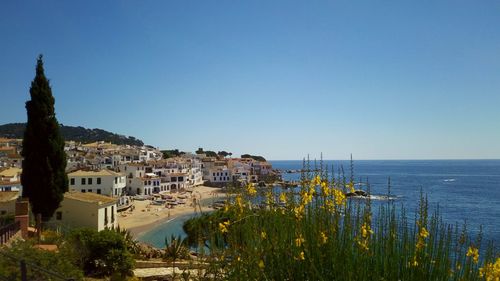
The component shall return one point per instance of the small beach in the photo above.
(145, 216)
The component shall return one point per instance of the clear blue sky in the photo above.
(379, 79)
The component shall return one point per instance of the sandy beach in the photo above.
(145, 216)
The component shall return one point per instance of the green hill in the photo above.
(79, 134)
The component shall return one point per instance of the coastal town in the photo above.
(129, 186)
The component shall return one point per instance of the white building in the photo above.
(219, 175)
(86, 210)
(103, 182)
(8, 202)
(10, 179)
(178, 181)
(132, 170)
(146, 185)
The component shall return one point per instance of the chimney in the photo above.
(22, 215)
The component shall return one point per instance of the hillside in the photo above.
(79, 134)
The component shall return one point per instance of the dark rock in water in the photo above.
(361, 193)
(357, 193)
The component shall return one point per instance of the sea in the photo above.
(464, 191)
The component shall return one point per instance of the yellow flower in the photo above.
(299, 211)
(366, 230)
(299, 241)
(420, 244)
(269, 198)
(223, 227)
(238, 201)
(491, 271)
(323, 237)
(263, 235)
(301, 256)
(363, 244)
(339, 197)
(325, 189)
(351, 187)
(283, 197)
(261, 264)
(316, 180)
(238, 258)
(423, 232)
(251, 189)
(474, 253)
(306, 198)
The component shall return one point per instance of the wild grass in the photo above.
(319, 234)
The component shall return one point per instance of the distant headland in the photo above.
(71, 133)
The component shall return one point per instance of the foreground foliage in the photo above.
(82, 252)
(101, 253)
(37, 261)
(316, 233)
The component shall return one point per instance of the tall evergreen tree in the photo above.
(43, 178)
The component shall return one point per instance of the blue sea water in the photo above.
(465, 190)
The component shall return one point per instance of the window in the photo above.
(214, 174)
(98, 191)
(112, 214)
(98, 180)
(105, 216)
(83, 190)
(72, 181)
(90, 181)
(215, 179)
(116, 191)
(83, 181)
(58, 216)
(89, 190)
(116, 180)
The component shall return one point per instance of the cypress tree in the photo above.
(44, 177)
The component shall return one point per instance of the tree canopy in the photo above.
(44, 177)
(172, 153)
(208, 153)
(254, 157)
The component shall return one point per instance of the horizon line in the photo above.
(432, 159)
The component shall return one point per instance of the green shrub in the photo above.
(101, 253)
(57, 262)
